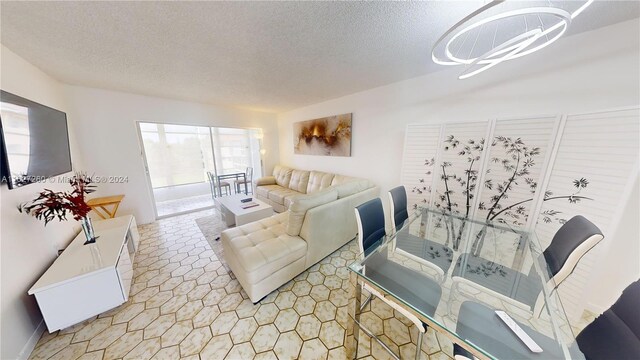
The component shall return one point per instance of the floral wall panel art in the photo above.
(328, 136)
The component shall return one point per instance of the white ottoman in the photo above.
(263, 256)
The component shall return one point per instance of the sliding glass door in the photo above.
(178, 158)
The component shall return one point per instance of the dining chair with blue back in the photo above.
(390, 275)
(436, 256)
(616, 333)
(570, 243)
(370, 218)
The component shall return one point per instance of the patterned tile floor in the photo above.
(184, 304)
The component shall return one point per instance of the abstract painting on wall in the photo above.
(328, 136)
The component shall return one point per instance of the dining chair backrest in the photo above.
(616, 333)
(570, 243)
(626, 307)
(212, 183)
(370, 218)
(398, 207)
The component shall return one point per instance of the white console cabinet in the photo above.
(86, 280)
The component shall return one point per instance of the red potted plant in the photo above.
(50, 205)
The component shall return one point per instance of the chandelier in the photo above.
(504, 30)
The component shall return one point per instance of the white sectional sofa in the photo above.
(286, 183)
(266, 254)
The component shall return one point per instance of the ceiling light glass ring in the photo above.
(562, 25)
(522, 41)
(562, 15)
(440, 61)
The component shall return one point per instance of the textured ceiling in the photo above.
(270, 56)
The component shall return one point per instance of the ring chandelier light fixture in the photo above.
(504, 30)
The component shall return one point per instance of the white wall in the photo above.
(27, 247)
(590, 71)
(621, 265)
(108, 139)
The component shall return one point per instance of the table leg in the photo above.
(104, 212)
(97, 211)
(244, 179)
(115, 209)
(419, 344)
(354, 318)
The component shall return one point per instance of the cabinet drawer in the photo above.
(125, 272)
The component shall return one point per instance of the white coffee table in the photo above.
(233, 213)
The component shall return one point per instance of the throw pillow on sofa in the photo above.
(301, 204)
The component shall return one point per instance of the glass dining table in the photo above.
(456, 274)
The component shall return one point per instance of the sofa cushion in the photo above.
(351, 187)
(318, 181)
(299, 180)
(264, 190)
(341, 179)
(279, 194)
(288, 200)
(301, 204)
(263, 247)
(282, 175)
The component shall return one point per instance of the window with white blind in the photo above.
(176, 154)
(181, 154)
(236, 150)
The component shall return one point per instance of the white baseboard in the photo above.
(33, 341)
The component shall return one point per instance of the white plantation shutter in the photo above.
(464, 135)
(534, 133)
(600, 150)
(603, 149)
(421, 144)
(535, 141)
